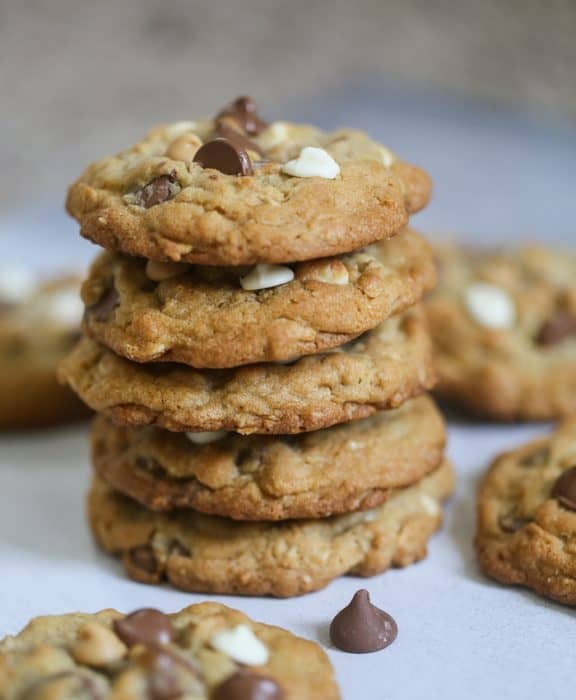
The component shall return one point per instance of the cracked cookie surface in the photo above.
(197, 552)
(202, 317)
(153, 200)
(36, 333)
(526, 533)
(381, 369)
(148, 654)
(504, 332)
(341, 469)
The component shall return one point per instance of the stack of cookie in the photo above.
(259, 368)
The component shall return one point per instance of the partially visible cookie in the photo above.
(202, 316)
(206, 651)
(226, 192)
(39, 325)
(527, 516)
(504, 331)
(381, 369)
(345, 468)
(204, 553)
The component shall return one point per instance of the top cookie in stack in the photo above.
(275, 292)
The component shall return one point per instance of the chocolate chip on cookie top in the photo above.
(243, 685)
(145, 626)
(564, 489)
(362, 627)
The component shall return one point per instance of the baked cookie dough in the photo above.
(202, 316)
(296, 193)
(504, 331)
(39, 325)
(381, 369)
(345, 468)
(204, 553)
(205, 651)
(527, 516)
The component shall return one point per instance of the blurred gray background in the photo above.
(483, 94)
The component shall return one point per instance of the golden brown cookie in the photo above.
(204, 553)
(527, 516)
(504, 331)
(201, 316)
(267, 193)
(203, 652)
(381, 369)
(39, 325)
(345, 468)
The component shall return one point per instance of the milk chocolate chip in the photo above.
(104, 307)
(145, 626)
(157, 191)
(362, 627)
(244, 685)
(564, 489)
(223, 155)
(556, 329)
(243, 110)
(163, 679)
(238, 138)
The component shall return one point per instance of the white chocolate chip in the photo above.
(312, 162)
(429, 504)
(184, 147)
(242, 645)
(64, 308)
(334, 272)
(160, 271)
(490, 306)
(173, 131)
(206, 437)
(274, 135)
(387, 157)
(265, 276)
(16, 284)
(97, 646)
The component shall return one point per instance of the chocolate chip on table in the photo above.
(564, 490)
(556, 329)
(223, 155)
(145, 626)
(243, 110)
(157, 191)
(244, 685)
(104, 307)
(361, 627)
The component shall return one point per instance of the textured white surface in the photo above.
(460, 635)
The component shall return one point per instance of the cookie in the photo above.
(202, 316)
(504, 330)
(39, 325)
(204, 553)
(204, 651)
(381, 369)
(345, 468)
(527, 516)
(219, 192)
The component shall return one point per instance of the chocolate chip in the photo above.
(157, 191)
(243, 110)
(565, 489)
(244, 685)
(143, 557)
(362, 627)
(145, 626)
(556, 329)
(239, 139)
(103, 309)
(221, 154)
(163, 679)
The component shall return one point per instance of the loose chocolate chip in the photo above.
(244, 685)
(557, 329)
(565, 489)
(362, 627)
(238, 138)
(104, 307)
(221, 154)
(244, 111)
(145, 626)
(157, 191)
